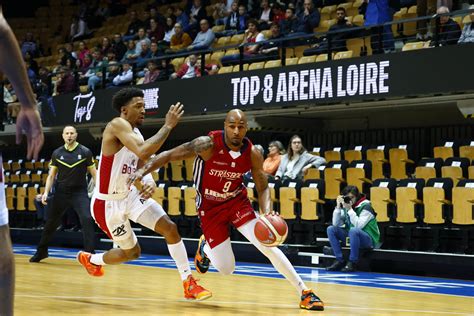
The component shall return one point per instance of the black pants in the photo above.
(62, 200)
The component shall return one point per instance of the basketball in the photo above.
(271, 230)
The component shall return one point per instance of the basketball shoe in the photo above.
(311, 301)
(193, 291)
(201, 261)
(85, 259)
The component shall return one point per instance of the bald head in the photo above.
(236, 116)
(235, 126)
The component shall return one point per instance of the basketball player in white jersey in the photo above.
(114, 202)
(28, 122)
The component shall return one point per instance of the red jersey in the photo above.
(220, 179)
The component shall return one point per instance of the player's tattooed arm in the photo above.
(261, 182)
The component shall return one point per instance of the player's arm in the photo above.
(121, 129)
(261, 182)
(202, 146)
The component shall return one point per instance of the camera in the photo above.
(347, 199)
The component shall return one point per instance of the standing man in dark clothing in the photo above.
(449, 30)
(70, 163)
(309, 19)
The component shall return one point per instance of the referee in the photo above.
(70, 163)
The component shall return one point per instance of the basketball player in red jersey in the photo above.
(223, 157)
(29, 123)
(114, 202)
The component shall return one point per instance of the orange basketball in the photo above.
(271, 230)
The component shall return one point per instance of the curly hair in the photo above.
(124, 96)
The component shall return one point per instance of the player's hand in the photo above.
(174, 115)
(44, 199)
(148, 189)
(28, 122)
(137, 175)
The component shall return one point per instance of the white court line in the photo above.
(234, 303)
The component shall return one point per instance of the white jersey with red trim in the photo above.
(114, 170)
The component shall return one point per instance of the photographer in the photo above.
(353, 217)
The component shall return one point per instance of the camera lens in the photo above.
(347, 199)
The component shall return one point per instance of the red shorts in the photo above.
(216, 222)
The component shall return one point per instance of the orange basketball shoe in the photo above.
(193, 291)
(85, 259)
(201, 261)
(311, 301)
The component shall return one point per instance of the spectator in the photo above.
(296, 162)
(170, 12)
(131, 53)
(252, 35)
(70, 51)
(83, 51)
(154, 14)
(154, 50)
(118, 46)
(79, 29)
(133, 27)
(353, 217)
(290, 24)
(145, 54)
(156, 32)
(105, 46)
(95, 76)
(66, 82)
(64, 55)
(467, 35)
(166, 70)
(189, 69)
(309, 18)
(425, 8)
(152, 73)
(449, 30)
(10, 99)
(204, 39)
(278, 13)
(196, 13)
(379, 12)
(338, 40)
(180, 40)
(29, 45)
(181, 17)
(125, 77)
(219, 12)
(146, 19)
(235, 22)
(270, 49)
(169, 32)
(33, 65)
(265, 15)
(141, 38)
(272, 162)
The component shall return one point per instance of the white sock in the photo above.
(180, 257)
(98, 259)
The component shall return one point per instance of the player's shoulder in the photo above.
(118, 123)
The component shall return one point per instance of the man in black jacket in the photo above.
(291, 23)
(449, 30)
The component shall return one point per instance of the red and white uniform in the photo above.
(221, 194)
(114, 203)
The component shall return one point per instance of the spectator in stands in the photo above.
(278, 13)
(189, 69)
(95, 77)
(338, 40)
(180, 40)
(169, 32)
(166, 70)
(66, 83)
(145, 54)
(131, 53)
(152, 72)
(33, 65)
(146, 19)
(209, 69)
(133, 27)
(83, 51)
(196, 13)
(125, 77)
(272, 162)
(290, 24)
(141, 38)
(449, 30)
(309, 18)
(252, 35)
(379, 12)
(270, 49)
(204, 39)
(265, 15)
(71, 65)
(353, 217)
(154, 50)
(10, 99)
(29, 45)
(219, 12)
(70, 50)
(118, 46)
(79, 29)
(425, 8)
(105, 46)
(64, 55)
(236, 22)
(467, 35)
(83, 68)
(296, 162)
(181, 17)
(156, 32)
(154, 14)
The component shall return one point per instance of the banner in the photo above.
(414, 73)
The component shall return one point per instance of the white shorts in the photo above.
(113, 216)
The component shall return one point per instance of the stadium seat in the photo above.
(463, 203)
(25, 177)
(10, 196)
(409, 28)
(353, 154)
(174, 201)
(267, 33)
(382, 197)
(273, 64)
(225, 70)
(236, 39)
(216, 57)
(322, 57)
(409, 199)
(32, 192)
(377, 157)
(355, 45)
(190, 202)
(358, 20)
(218, 28)
(455, 168)
(300, 49)
(177, 171)
(334, 177)
(428, 168)
(326, 12)
(436, 197)
(222, 42)
(333, 154)
(6, 166)
(398, 158)
(307, 59)
(236, 68)
(359, 174)
(312, 174)
(470, 172)
(312, 193)
(160, 193)
(291, 61)
(189, 166)
(258, 65)
(16, 166)
(467, 151)
(21, 198)
(444, 152)
(289, 200)
(343, 55)
(413, 46)
(29, 165)
(324, 25)
(177, 62)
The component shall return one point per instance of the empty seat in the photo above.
(377, 157)
(258, 65)
(382, 197)
(398, 158)
(312, 174)
(291, 61)
(429, 168)
(21, 194)
(177, 171)
(354, 153)
(359, 174)
(436, 197)
(288, 198)
(273, 64)
(189, 166)
(190, 202)
(311, 194)
(307, 60)
(334, 177)
(409, 200)
(467, 151)
(444, 152)
(174, 201)
(455, 168)
(463, 203)
(333, 154)
(413, 46)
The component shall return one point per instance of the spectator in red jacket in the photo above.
(189, 69)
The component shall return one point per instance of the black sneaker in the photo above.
(201, 261)
(350, 267)
(336, 266)
(311, 301)
(39, 255)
